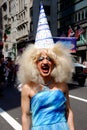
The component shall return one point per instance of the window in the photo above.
(82, 14)
(31, 26)
(79, 16)
(4, 6)
(31, 11)
(86, 13)
(5, 17)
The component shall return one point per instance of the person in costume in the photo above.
(44, 70)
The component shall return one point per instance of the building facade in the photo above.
(16, 25)
(1, 32)
(20, 18)
(74, 13)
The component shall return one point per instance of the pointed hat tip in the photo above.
(43, 36)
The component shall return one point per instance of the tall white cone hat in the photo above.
(43, 35)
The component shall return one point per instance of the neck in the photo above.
(47, 81)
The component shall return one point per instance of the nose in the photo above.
(45, 61)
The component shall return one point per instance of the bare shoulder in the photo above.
(25, 86)
(29, 89)
(26, 89)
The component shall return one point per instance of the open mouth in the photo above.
(45, 68)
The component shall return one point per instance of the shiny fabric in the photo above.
(48, 111)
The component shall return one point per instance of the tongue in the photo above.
(45, 70)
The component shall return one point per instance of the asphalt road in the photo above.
(10, 110)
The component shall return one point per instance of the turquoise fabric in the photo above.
(48, 110)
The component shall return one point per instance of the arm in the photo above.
(25, 105)
(70, 117)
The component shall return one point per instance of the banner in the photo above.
(69, 42)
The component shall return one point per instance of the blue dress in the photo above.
(48, 110)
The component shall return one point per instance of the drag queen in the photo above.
(44, 70)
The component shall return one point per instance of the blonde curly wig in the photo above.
(61, 56)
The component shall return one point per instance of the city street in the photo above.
(43, 43)
(10, 110)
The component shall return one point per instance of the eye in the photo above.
(48, 58)
(40, 58)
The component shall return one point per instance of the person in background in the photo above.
(85, 63)
(44, 70)
(9, 71)
(2, 76)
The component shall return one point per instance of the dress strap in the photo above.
(45, 88)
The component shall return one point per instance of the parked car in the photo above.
(80, 73)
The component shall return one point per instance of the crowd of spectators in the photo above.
(8, 71)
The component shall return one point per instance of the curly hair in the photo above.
(61, 56)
